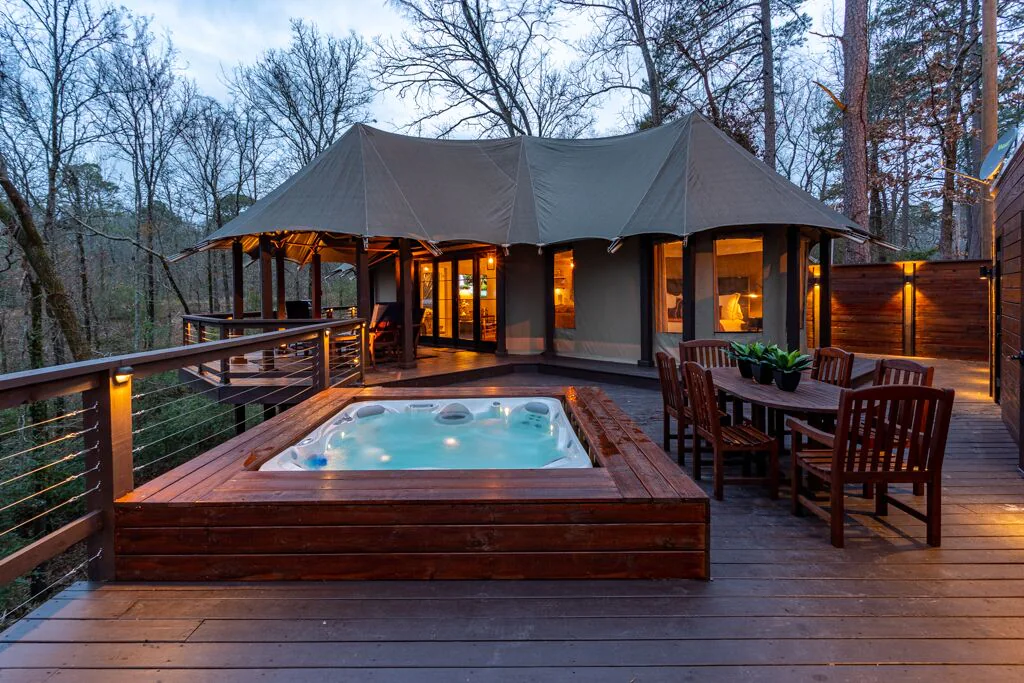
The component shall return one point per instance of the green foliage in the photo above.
(789, 361)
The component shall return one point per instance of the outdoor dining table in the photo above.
(810, 398)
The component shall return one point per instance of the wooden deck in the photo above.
(783, 606)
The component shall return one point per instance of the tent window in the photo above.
(565, 296)
(488, 299)
(427, 298)
(739, 271)
(668, 287)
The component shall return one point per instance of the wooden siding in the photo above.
(1009, 207)
(950, 310)
(635, 515)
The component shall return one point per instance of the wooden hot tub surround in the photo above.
(634, 515)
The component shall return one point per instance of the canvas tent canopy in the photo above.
(681, 178)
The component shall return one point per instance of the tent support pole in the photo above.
(689, 292)
(318, 287)
(281, 294)
(405, 296)
(825, 291)
(362, 282)
(646, 302)
(266, 295)
(500, 275)
(792, 287)
(549, 301)
(237, 282)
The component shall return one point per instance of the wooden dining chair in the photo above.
(711, 353)
(672, 402)
(832, 365)
(725, 439)
(909, 424)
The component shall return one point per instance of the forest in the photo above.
(112, 160)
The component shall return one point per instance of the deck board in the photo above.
(784, 604)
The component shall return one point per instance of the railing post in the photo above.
(322, 361)
(108, 460)
(363, 339)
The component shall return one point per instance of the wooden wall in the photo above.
(936, 309)
(1009, 206)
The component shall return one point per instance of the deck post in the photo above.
(793, 293)
(318, 288)
(239, 419)
(646, 359)
(500, 282)
(108, 459)
(266, 296)
(237, 293)
(281, 294)
(549, 302)
(322, 361)
(825, 291)
(362, 282)
(405, 295)
(689, 292)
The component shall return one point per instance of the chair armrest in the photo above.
(810, 432)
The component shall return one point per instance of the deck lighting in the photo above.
(122, 374)
(615, 245)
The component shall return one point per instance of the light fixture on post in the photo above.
(123, 374)
(615, 245)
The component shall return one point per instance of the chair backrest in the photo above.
(833, 366)
(711, 353)
(900, 371)
(702, 395)
(892, 428)
(668, 376)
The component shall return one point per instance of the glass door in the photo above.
(445, 324)
(459, 300)
(488, 283)
(466, 301)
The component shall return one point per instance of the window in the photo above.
(488, 299)
(668, 287)
(427, 298)
(739, 269)
(565, 298)
(444, 299)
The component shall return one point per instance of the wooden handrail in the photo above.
(38, 385)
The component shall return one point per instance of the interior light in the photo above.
(490, 261)
(122, 374)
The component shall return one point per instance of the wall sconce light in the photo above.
(986, 272)
(490, 261)
(122, 374)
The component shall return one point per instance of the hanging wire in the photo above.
(36, 494)
(59, 439)
(70, 500)
(69, 456)
(74, 570)
(34, 425)
(193, 394)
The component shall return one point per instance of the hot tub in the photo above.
(442, 434)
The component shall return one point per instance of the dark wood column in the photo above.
(793, 294)
(237, 281)
(362, 282)
(500, 278)
(315, 275)
(281, 294)
(825, 291)
(549, 301)
(646, 302)
(408, 301)
(689, 292)
(266, 277)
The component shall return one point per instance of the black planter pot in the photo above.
(763, 372)
(746, 369)
(787, 381)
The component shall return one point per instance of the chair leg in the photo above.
(719, 474)
(869, 492)
(681, 439)
(918, 489)
(695, 454)
(796, 487)
(881, 497)
(934, 513)
(773, 472)
(666, 430)
(837, 514)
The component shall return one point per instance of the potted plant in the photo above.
(741, 354)
(788, 366)
(761, 361)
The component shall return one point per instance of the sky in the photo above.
(213, 36)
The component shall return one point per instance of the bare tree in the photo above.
(309, 93)
(150, 106)
(467, 63)
(855, 119)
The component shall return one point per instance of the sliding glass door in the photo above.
(459, 299)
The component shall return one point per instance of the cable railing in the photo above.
(75, 438)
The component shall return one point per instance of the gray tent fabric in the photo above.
(681, 178)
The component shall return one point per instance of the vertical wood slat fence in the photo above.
(936, 309)
(105, 385)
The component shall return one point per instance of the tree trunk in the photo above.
(653, 78)
(768, 82)
(150, 327)
(83, 280)
(949, 159)
(875, 208)
(855, 122)
(989, 117)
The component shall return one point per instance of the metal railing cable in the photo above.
(41, 468)
(73, 499)
(36, 425)
(36, 494)
(49, 587)
(59, 439)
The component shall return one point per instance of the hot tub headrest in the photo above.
(454, 414)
